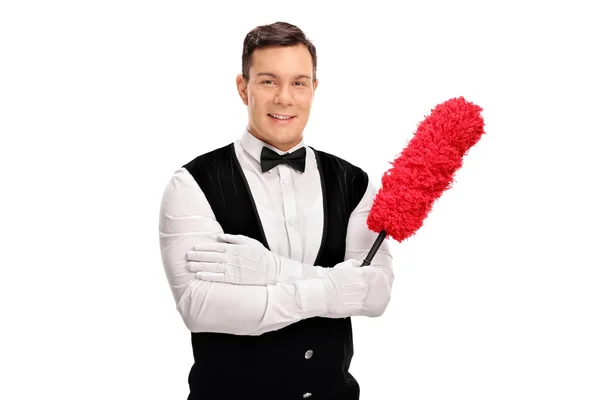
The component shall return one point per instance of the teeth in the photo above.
(280, 116)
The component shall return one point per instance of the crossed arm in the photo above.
(186, 219)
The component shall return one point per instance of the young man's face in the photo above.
(279, 94)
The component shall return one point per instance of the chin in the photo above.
(279, 140)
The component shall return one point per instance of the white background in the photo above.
(496, 297)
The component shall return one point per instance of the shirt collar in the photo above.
(253, 145)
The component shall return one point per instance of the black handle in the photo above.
(374, 248)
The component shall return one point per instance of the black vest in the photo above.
(273, 365)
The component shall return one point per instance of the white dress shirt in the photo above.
(290, 207)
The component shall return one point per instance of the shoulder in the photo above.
(210, 157)
(185, 181)
(329, 160)
(336, 169)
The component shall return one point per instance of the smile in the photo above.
(281, 117)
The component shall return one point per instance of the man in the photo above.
(262, 242)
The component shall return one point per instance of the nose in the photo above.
(284, 96)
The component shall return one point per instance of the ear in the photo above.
(315, 84)
(242, 88)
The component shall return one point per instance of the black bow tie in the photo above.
(270, 159)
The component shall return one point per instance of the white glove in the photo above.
(346, 288)
(241, 260)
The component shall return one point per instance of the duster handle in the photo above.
(374, 248)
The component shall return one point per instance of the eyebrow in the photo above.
(276, 76)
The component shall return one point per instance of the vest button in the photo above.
(308, 354)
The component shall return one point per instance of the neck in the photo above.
(279, 146)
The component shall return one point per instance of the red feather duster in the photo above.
(424, 170)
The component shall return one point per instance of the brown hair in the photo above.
(275, 34)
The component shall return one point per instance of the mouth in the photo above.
(281, 118)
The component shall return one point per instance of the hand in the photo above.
(238, 259)
(346, 288)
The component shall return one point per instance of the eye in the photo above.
(299, 83)
(267, 82)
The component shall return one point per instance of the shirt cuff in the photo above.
(291, 270)
(313, 300)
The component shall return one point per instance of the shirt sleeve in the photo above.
(359, 240)
(186, 219)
